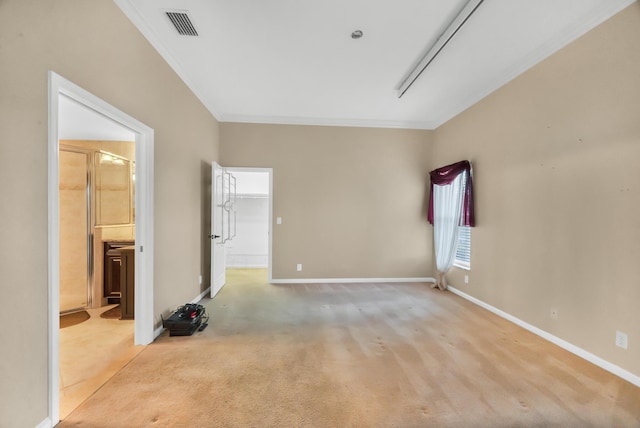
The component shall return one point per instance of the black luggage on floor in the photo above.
(185, 320)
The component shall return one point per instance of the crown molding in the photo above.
(320, 121)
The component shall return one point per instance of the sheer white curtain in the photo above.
(447, 210)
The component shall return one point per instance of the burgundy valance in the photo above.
(446, 175)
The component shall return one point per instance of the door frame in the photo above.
(217, 248)
(144, 140)
(270, 172)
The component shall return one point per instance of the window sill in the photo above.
(462, 265)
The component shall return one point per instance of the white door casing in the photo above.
(144, 143)
(217, 243)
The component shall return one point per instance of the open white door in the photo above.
(217, 242)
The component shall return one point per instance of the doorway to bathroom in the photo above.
(107, 182)
(97, 218)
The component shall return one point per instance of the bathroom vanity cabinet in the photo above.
(127, 282)
(112, 267)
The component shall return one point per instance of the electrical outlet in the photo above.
(466, 279)
(299, 267)
(200, 279)
(278, 220)
(553, 314)
(621, 340)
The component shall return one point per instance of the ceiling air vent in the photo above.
(183, 24)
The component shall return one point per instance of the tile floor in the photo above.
(90, 354)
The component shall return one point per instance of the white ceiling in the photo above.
(294, 62)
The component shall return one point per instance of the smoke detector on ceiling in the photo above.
(180, 19)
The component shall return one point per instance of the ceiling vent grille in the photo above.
(183, 24)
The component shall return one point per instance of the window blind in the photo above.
(463, 249)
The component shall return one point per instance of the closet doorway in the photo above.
(250, 248)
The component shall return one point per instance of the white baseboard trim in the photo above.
(202, 295)
(158, 331)
(45, 424)
(346, 280)
(594, 359)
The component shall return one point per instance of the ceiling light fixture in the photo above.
(356, 34)
(446, 36)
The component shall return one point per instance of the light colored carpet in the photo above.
(355, 355)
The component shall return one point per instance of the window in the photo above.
(463, 248)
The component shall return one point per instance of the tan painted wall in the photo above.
(352, 200)
(556, 157)
(95, 46)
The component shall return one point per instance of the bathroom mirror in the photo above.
(114, 190)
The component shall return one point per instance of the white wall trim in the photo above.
(347, 280)
(201, 296)
(45, 424)
(53, 254)
(594, 359)
(270, 260)
(328, 121)
(157, 332)
(58, 87)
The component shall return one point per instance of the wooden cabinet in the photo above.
(127, 282)
(112, 264)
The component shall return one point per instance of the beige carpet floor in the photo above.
(355, 355)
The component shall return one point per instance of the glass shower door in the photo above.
(74, 237)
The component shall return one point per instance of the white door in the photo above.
(217, 243)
